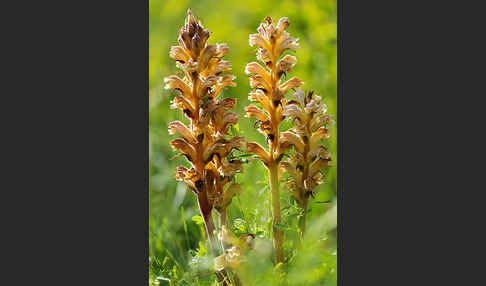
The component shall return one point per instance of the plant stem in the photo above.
(207, 216)
(222, 218)
(304, 216)
(206, 213)
(222, 221)
(277, 234)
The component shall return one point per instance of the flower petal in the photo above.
(257, 149)
(317, 165)
(178, 84)
(294, 112)
(227, 102)
(264, 56)
(228, 169)
(222, 148)
(183, 104)
(255, 68)
(319, 121)
(259, 95)
(257, 81)
(179, 54)
(180, 173)
(229, 119)
(300, 96)
(181, 128)
(253, 111)
(285, 65)
(287, 167)
(318, 152)
(291, 83)
(292, 139)
(207, 53)
(186, 148)
(190, 177)
(206, 84)
(285, 42)
(259, 41)
(222, 66)
(321, 133)
(223, 82)
(283, 23)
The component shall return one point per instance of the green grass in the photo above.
(177, 248)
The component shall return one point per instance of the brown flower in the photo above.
(269, 90)
(304, 167)
(204, 141)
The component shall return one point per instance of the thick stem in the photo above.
(206, 214)
(277, 234)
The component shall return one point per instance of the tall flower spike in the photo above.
(204, 141)
(308, 114)
(269, 90)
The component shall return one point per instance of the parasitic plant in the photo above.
(308, 114)
(269, 90)
(204, 142)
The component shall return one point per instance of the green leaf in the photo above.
(202, 251)
(198, 219)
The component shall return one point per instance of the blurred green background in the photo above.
(175, 234)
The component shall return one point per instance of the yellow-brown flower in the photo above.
(204, 140)
(308, 114)
(269, 90)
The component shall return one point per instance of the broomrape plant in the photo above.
(269, 90)
(304, 166)
(204, 142)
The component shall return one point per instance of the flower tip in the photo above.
(283, 23)
(284, 20)
(246, 70)
(189, 14)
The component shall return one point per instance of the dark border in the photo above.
(340, 164)
(147, 142)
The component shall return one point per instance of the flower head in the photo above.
(268, 89)
(310, 127)
(204, 142)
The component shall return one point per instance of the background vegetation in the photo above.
(178, 254)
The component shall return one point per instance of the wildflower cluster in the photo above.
(207, 146)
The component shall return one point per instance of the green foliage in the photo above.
(178, 251)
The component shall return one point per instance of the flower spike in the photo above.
(271, 42)
(304, 167)
(204, 142)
